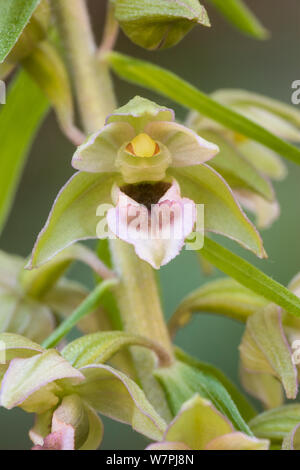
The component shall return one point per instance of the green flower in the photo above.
(199, 426)
(247, 165)
(67, 390)
(142, 161)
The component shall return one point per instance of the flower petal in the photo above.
(99, 152)
(223, 215)
(31, 382)
(263, 387)
(292, 440)
(158, 234)
(237, 441)
(185, 146)
(197, 423)
(139, 112)
(265, 348)
(10, 267)
(73, 216)
(113, 394)
(62, 439)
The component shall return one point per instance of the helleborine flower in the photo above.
(141, 140)
(141, 150)
(247, 165)
(270, 353)
(28, 300)
(200, 426)
(67, 390)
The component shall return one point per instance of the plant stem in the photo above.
(92, 81)
(110, 34)
(85, 308)
(138, 297)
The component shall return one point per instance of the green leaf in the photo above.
(222, 297)
(239, 15)
(170, 85)
(14, 15)
(73, 216)
(115, 395)
(245, 408)
(277, 423)
(223, 215)
(22, 115)
(182, 381)
(98, 348)
(250, 276)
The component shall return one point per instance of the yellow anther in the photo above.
(143, 146)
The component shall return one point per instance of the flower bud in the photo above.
(158, 24)
(34, 32)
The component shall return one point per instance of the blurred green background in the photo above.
(209, 58)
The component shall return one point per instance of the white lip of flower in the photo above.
(157, 232)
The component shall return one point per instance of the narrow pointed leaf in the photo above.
(170, 85)
(250, 276)
(16, 120)
(240, 16)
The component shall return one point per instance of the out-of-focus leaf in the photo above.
(22, 115)
(264, 349)
(223, 297)
(277, 423)
(46, 67)
(263, 387)
(280, 118)
(223, 215)
(98, 348)
(113, 394)
(25, 317)
(182, 381)
(245, 408)
(250, 276)
(239, 15)
(10, 267)
(14, 15)
(168, 84)
(73, 216)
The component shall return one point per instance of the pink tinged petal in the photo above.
(168, 446)
(63, 438)
(185, 146)
(237, 441)
(157, 235)
(99, 152)
(292, 440)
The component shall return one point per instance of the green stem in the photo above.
(138, 296)
(140, 307)
(92, 81)
(89, 305)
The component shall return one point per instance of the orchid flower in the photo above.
(29, 300)
(247, 165)
(199, 426)
(66, 390)
(139, 169)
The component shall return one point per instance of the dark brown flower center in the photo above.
(146, 193)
